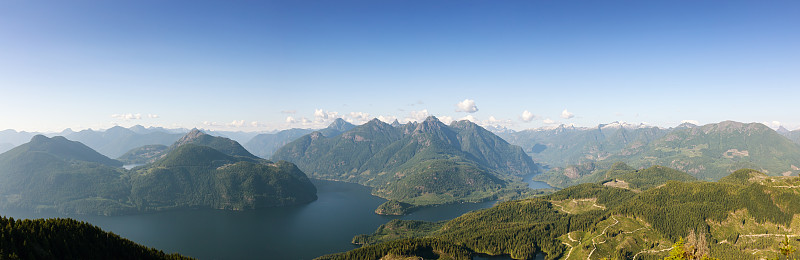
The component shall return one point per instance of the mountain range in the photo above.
(264, 145)
(707, 152)
(417, 163)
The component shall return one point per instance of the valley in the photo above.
(437, 173)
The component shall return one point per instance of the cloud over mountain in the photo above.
(566, 114)
(468, 105)
(527, 116)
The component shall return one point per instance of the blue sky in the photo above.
(250, 65)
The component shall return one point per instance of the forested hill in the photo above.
(748, 220)
(68, 239)
(222, 144)
(200, 176)
(143, 154)
(419, 163)
(62, 175)
(65, 176)
(151, 153)
(619, 175)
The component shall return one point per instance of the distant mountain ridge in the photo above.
(567, 145)
(264, 145)
(63, 149)
(404, 162)
(707, 152)
(117, 140)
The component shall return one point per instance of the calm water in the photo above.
(325, 226)
(131, 166)
(535, 184)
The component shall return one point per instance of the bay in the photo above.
(535, 184)
(324, 226)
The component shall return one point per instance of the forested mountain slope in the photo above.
(68, 239)
(66, 176)
(419, 163)
(590, 221)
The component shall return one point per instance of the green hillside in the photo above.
(743, 177)
(144, 154)
(151, 153)
(713, 151)
(60, 175)
(194, 176)
(592, 221)
(222, 144)
(619, 175)
(68, 239)
(418, 163)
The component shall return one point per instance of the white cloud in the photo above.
(773, 124)
(471, 119)
(255, 124)
(694, 122)
(417, 116)
(468, 105)
(387, 119)
(323, 116)
(527, 116)
(548, 121)
(357, 118)
(566, 114)
(128, 116)
(236, 123)
(493, 121)
(209, 123)
(446, 119)
(290, 120)
(131, 116)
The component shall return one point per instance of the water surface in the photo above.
(324, 226)
(535, 184)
